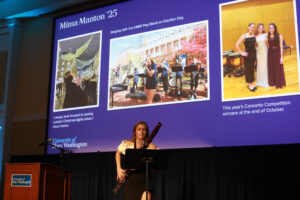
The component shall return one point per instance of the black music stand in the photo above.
(61, 153)
(191, 68)
(130, 76)
(177, 69)
(144, 159)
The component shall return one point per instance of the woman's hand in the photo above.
(149, 71)
(281, 61)
(245, 54)
(120, 174)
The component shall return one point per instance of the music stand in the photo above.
(176, 69)
(191, 68)
(130, 76)
(143, 159)
(142, 75)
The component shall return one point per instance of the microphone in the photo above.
(45, 142)
(68, 151)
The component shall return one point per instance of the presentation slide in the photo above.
(214, 73)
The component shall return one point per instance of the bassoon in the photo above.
(128, 171)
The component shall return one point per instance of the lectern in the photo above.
(36, 181)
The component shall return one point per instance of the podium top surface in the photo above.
(36, 165)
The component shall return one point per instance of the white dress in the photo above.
(123, 146)
(262, 61)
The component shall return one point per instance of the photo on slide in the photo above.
(78, 72)
(159, 67)
(259, 49)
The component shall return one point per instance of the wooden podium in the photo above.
(36, 181)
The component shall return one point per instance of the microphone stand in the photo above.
(61, 154)
(147, 160)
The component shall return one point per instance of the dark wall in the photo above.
(29, 126)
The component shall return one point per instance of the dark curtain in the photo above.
(237, 173)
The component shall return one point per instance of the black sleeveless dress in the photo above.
(135, 185)
(250, 59)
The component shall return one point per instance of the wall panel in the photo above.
(236, 17)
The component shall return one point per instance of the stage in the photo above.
(228, 173)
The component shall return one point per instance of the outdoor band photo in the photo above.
(162, 66)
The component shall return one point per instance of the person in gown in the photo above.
(135, 186)
(249, 54)
(275, 58)
(261, 56)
